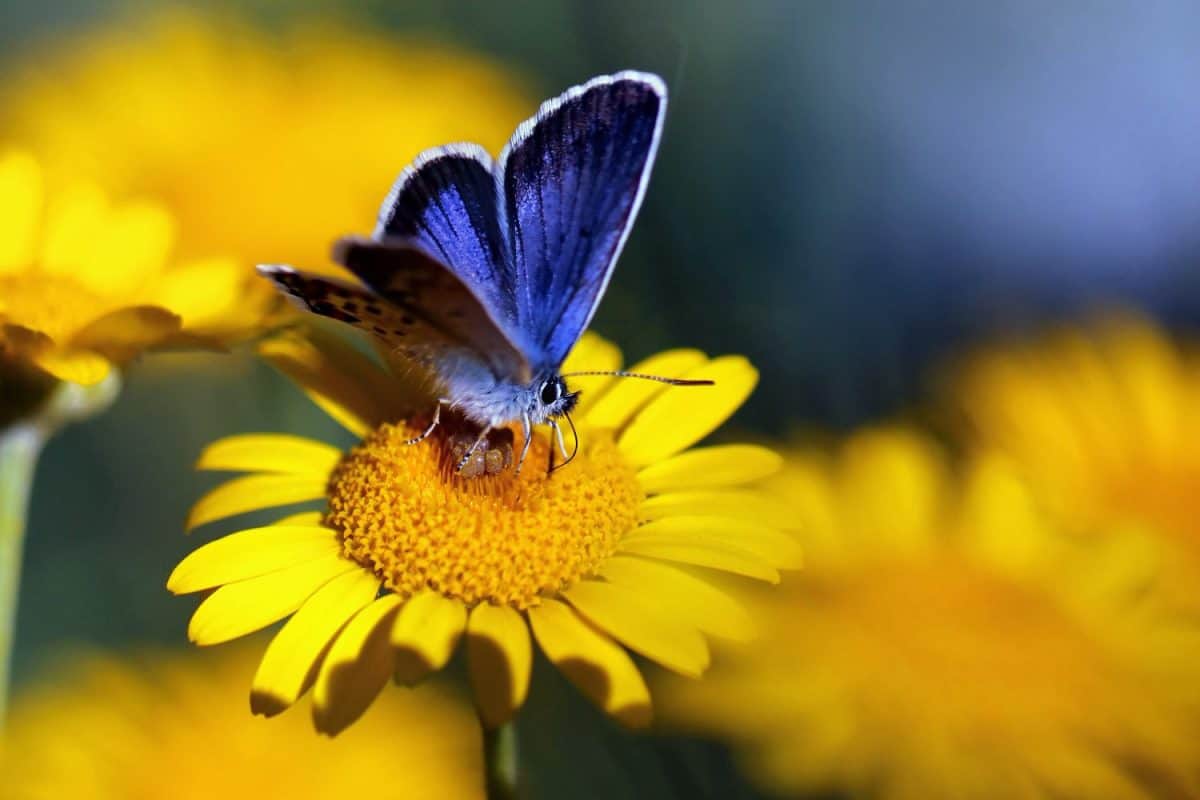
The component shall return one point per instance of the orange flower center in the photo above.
(502, 538)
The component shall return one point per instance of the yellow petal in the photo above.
(110, 251)
(500, 659)
(667, 641)
(125, 334)
(20, 210)
(74, 366)
(254, 492)
(202, 292)
(681, 595)
(592, 353)
(247, 606)
(710, 467)
(338, 378)
(290, 663)
(268, 452)
(425, 635)
(892, 486)
(740, 504)
(771, 545)
(357, 666)
(250, 553)
(75, 218)
(304, 518)
(727, 559)
(601, 669)
(682, 415)
(132, 248)
(627, 395)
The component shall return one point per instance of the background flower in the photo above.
(264, 146)
(944, 641)
(86, 283)
(168, 725)
(1104, 420)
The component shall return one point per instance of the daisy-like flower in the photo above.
(162, 725)
(265, 146)
(86, 284)
(408, 558)
(945, 641)
(1105, 422)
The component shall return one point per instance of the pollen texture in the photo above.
(506, 539)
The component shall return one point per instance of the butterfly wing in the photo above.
(445, 202)
(571, 181)
(414, 305)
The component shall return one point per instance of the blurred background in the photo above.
(849, 193)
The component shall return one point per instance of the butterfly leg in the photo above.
(527, 431)
(437, 416)
(462, 462)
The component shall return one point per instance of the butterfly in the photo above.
(481, 276)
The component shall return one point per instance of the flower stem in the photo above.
(19, 448)
(500, 761)
(21, 441)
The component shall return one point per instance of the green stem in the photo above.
(500, 761)
(20, 443)
(19, 448)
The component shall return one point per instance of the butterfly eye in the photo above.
(551, 392)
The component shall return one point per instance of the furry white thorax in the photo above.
(494, 404)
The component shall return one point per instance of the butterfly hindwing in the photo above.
(432, 295)
(571, 181)
(415, 307)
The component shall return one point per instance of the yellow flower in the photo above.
(1105, 421)
(943, 642)
(264, 146)
(168, 726)
(408, 558)
(86, 283)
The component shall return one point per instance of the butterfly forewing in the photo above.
(571, 182)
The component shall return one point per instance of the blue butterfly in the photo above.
(480, 277)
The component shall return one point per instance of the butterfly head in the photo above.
(553, 398)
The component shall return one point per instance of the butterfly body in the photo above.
(481, 275)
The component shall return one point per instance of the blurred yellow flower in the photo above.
(1105, 421)
(943, 643)
(264, 146)
(408, 558)
(169, 726)
(86, 283)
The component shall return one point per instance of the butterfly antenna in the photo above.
(575, 450)
(642, 376)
